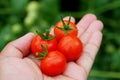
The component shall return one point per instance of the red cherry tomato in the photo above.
(38, 41)
(65, 27)
(71, 47)
(53, 64)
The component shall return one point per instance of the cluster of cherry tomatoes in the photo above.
(58, 49)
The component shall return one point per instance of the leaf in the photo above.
(18, 5)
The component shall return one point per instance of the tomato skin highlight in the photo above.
(53, 64)
(71, 47)
(38, 41)
(60, 33)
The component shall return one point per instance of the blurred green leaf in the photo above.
(18, 6)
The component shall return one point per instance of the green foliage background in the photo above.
(18, 17)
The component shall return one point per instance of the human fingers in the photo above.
(18, 48)
(89, 52)
(96, 25)
(75, 71)
(92, 35)
(59, 77)
(84, 23)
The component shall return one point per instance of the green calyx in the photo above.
(45, 35)
(43, 54)
(66, 27)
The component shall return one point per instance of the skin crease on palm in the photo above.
(16, 62)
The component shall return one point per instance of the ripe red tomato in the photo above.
(71, 47)
(53, 64)
(38, 41)
(65, 27)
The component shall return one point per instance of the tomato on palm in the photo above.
(38, 41)
(53, 64)
(65, 27)
(71, 47)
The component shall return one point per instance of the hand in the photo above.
(16, 63)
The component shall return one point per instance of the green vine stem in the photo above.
(105, 74)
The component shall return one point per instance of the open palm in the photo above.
(16, 62)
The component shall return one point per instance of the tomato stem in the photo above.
(66, 27)
(44, 52)
(69, 20)
(62, 20)
(45, 35)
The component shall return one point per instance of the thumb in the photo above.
(18, 48)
